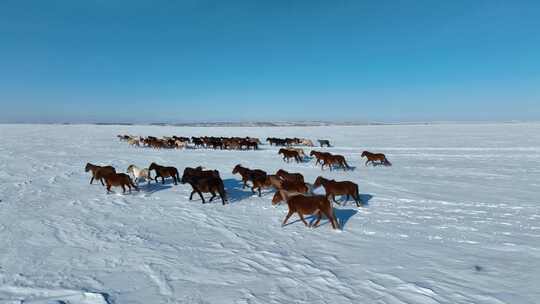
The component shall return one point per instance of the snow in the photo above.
(456, 219)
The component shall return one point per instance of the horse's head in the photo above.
(153, 166)
(88, 167)
(236, 169)
(364, 154)
(130, 168)
(281, 151)
(318, 182)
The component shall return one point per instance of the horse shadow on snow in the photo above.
(234, 190)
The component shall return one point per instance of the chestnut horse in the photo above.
(257, 177)
(99, 172)
(288, 154)
(290, 176)
(319, 156)
(201, 185)
(163, 172)
(119, 180)
(330, 160)
(333, 188)
(372, 157)
(306, 205)
(290, 187)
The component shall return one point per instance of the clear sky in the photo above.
(184, 61)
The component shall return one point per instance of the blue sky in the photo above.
(182, 61)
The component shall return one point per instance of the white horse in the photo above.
(139, 174)
(307, 142)
(180, 144)
(134, 141)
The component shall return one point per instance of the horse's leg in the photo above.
(367, 161)
(101, 180)
(260, 191)
(302, 218)
(91, 180)
(334, 199)
(287, 217)
(319, 216)
(202, 198)
(108, 188)
(123, 188)
(163, 180)
(245, 183)
(213, 196)
(191, 196)
(330, 218)
(175, 181)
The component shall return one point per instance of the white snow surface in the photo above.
(456, 219)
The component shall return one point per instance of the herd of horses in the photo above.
(289, 187)
(214, 142)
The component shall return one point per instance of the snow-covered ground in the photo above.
(456, 219)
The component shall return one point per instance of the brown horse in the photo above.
(290, 176)
(99, 172)
(288, 154)
(379, 157)
(289, 187)
(272, 180)
(306, 205)
(119, 180)
(319, 156)
(330, 160)
(164, 172)
(333, 188)
(257, 177)
(210, 184)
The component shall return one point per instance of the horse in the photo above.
(272, 180)
(304, 205)
(210, 184)
(288, 154)
(164, 172)
(119, 180)
(299, 150)
(306, 142)
(290, 187)
(323, 142)
(199, 172)
(333, 188)
(134, 142)
(139, 174)
(331, 159)
(99, 172)
(372, 157)
(319, 156)
(257, 177)
(294, 177)
(180, 144)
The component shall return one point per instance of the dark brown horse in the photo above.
(99, 172)
(333, 188)
(202, 185)
(306, 205)
(119, 180)
(164, 172)
(294, 177)
(334, 159)
(257, 177)
(376, 158)
(288, 154)
(199, 172)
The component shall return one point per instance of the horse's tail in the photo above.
(358, 194)
(346, 164)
